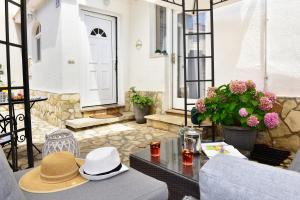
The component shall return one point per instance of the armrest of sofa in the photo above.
(295, 165)
(226, 177)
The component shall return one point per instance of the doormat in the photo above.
(105, 116)
(270, 156)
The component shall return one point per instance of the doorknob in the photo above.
(173, 58)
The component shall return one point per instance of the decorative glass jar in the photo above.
(193, 134)
(61, 140)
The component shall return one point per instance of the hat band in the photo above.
(60, 178)
(111, 171)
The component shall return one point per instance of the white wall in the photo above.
(239, 42)
(15, 37)
(283, 47)
(146, 71)
(240, 49)
(47, 74)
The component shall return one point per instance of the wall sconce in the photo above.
(138, 44)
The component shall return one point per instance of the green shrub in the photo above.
(140, 100)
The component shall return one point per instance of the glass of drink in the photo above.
(187, 157)
(188, 151)
(155, 148)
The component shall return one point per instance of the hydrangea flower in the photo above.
(271, 96)
(252, 121)
(200, 105)
(265, 104)
(250, 84)
(271, 120)
(238, 87)
(211, 93)
(243, 112)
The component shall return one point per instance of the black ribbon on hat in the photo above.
(111, 171)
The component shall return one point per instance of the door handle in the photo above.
(173, 58)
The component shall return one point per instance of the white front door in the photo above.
(100, 69)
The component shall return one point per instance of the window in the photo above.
(161, 29)
(37, 38)
(98, 32)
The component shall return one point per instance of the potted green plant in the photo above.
(141, 105)
(240, 109)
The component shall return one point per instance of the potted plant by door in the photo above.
(240, 109)
(141, 105)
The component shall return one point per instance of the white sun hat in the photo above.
(102, 163)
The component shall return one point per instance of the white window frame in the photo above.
(38, 49)
(153, 31)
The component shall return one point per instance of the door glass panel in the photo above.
(195, 70)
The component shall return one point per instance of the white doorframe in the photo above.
(178, 102)
(84, 53)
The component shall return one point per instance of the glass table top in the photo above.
(171, 159)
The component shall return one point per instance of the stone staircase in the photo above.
(89, 121)
(171, 121)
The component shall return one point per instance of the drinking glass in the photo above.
(155, 148)
(188, 151)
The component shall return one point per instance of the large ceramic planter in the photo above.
(239, 137)
(140, 113)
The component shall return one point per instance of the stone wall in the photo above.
(156, 96)
(58, 108)
(287, 134)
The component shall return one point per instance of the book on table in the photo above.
(215, 148)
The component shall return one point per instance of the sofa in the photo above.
(229, 178)
(126, 186)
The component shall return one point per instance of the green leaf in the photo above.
(244, 98)
(254, 103)
(250, 110)
(243, 120)
(232, 106)
(223, 115)
(215, 118)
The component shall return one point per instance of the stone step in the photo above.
(108, 109)
(168, 122)
(177, 112)
(87, 122)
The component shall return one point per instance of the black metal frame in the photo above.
(12, 118)
(196, 11)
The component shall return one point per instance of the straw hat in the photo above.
(102, 163)
(58, 171)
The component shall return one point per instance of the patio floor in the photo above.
(127, 137)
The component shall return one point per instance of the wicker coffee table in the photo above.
(181, 180)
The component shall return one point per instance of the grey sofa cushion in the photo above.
(229, 178)
(9, 189)
(131, 185)
(295, 166)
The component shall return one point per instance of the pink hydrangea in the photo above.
(250, 84)
(271, 96)
(211, 93)
(243, 112)
(265, 104)
(271, 120)
(252, 121)
(238, 87)
(200, 105)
